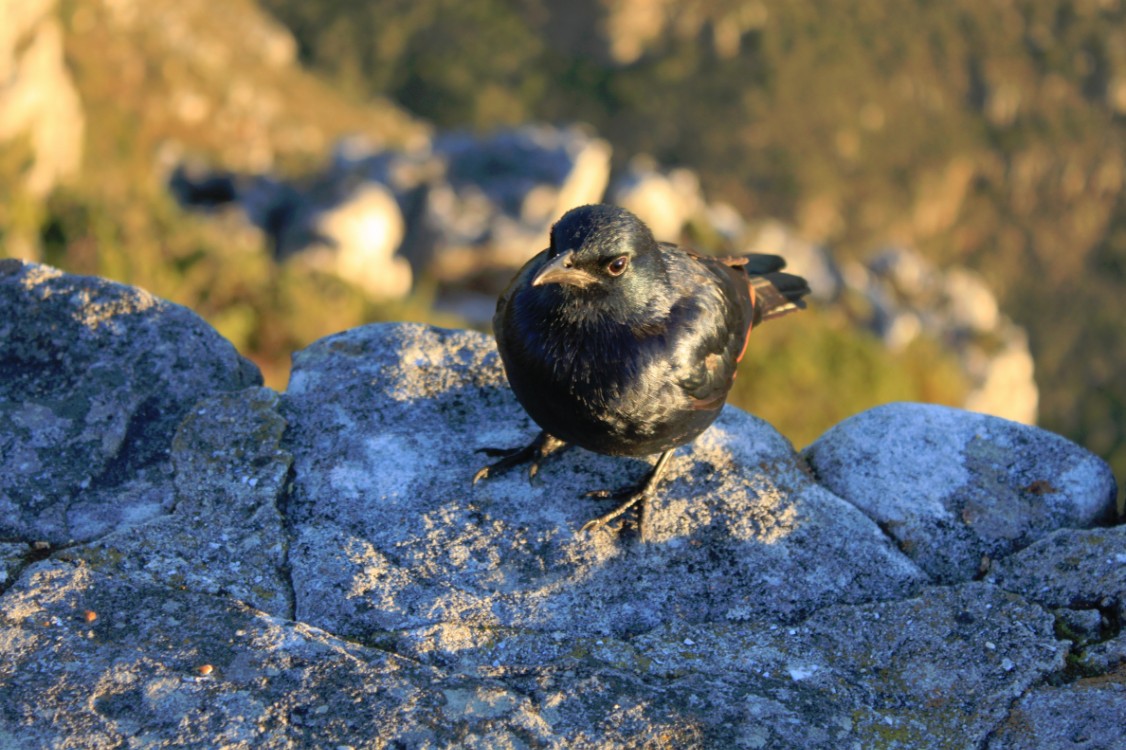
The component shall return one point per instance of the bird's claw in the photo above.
(635, 494)
(633, 498)
(539, 449)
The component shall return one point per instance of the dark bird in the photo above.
(627, 346)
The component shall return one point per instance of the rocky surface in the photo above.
(955, 489)
(321, 572)
(95, 378)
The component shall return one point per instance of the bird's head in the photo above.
(601, 250)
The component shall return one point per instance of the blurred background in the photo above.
(950, 176)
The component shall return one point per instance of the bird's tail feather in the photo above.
(755, 264)
(758, 264)
(777, 294)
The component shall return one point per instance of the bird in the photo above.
(626, 346)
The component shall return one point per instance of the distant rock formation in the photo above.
(664, 199)
(37, 96)
(625, 30)
(468, 210)
(38, 99)
(191, 559)
(905, 297)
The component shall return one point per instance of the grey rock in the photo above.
(343, 224)
(226, 534)
(568, 166)
(1071, 568)
(1084, 624)
(136, 676)
(1081, 575)
(1001, 374)
(909, 297)
(1086, 714)
(476, 202)
(953, 487)
(866, 676)
(385, 425)
(1105, 656)
(13, 556)
(664, 199)
(357, 239)
(94, 379)
(319, 571)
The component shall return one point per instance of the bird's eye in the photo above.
(617, 266)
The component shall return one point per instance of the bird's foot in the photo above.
(637, 494)
(539, 449)
(631, 496)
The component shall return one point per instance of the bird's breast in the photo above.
(602, 386)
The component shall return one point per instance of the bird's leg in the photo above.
(634, 495)
(540, 448)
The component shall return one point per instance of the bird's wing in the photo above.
(775, 293)
(712, 337)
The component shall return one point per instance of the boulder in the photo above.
(320, 571)
(387, 424)
(1087, 713)
(357, 240)
(956, 489)
(1072, 568)
(501, 193)
(664, 199)
(95, 378)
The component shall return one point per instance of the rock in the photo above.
(321, 572)
(162, 665)
(618, 33)
(865, 676)
(664, 200)
(971, 304)
(1086, 714)
(357, 241)
(1081, 576)
(1003, 376)
(725, 221)
(478, 207)
(459, 207)
(1078, 569)
(503, 191)
(953, 487)
(195, 186)
(954, 306)
(13, 556)
(226, 534)
(505, 554)
(96, 377)
(904, 271)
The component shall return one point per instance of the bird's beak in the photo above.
(562, 270)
